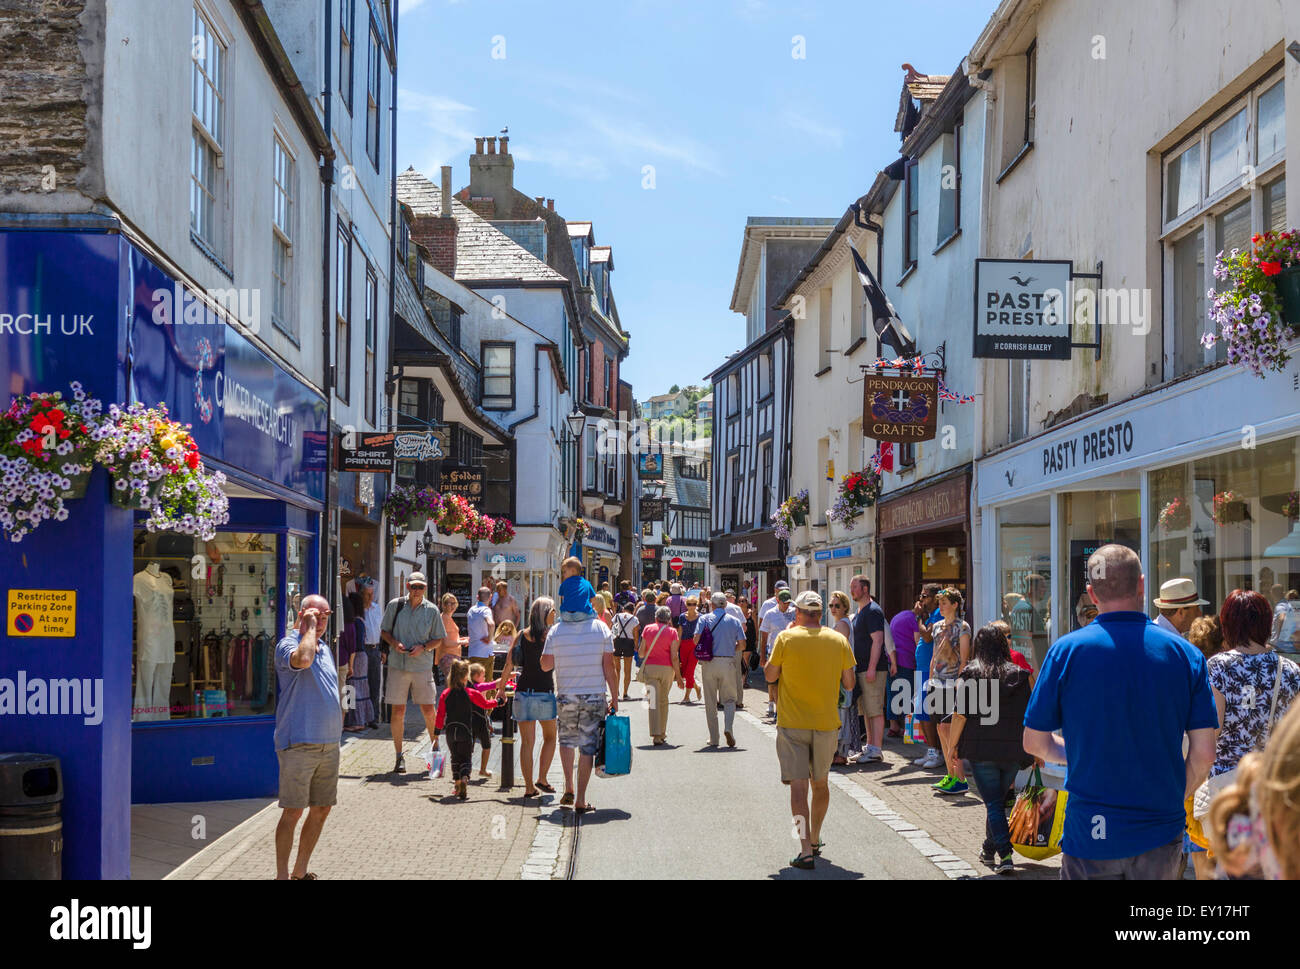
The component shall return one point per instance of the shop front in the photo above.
(529, 565)
(832, 568)
(924, 535)
(751, 564)
(360, 503)
(1201, 479)
(651, 559)
(176, 633)
(695, 563)
(600, 554)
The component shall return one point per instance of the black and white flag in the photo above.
(889, 328)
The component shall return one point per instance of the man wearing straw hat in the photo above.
(1179, 605)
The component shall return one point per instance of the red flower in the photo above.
(32, 446)
(56, 416)
(1255, 237)
(192, 459)
(1270, 268)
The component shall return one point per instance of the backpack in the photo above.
(704, 641)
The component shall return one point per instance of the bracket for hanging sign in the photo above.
(1096, 312)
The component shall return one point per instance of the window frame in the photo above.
(207, 139)
(484, 396)
(283, 215)
(371, 340)
(1203, 215)
(1031, 91)
(347, 19)
(911, 244)
(374, 98)
(343, 312)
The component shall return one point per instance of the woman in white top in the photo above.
(850, 723)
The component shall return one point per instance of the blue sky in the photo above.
(708, 93)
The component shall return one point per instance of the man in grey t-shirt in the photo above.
(412, 628)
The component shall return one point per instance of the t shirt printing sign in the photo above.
(1022, 308)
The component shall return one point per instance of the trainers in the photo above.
(986, 857)
(1005, 866)
(921, 761)
(400, 766)
(956, 787)
(870, 754)
(943, 785)
(933, 759)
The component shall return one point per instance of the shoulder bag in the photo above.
(1204, 795)
(640, 672)
(704, 640)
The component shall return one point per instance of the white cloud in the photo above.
(815, 130)
(634, 139)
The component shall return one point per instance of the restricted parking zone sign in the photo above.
(42, 612)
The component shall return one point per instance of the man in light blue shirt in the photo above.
(719, 674)
(308, 724)
(481, 629)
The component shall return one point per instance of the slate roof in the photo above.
(483, 252)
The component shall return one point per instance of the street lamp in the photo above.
(576, 421)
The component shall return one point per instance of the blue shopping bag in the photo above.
(618, 746)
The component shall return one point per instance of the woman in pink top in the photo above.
(660, 668)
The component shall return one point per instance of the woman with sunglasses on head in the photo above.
(952, 650)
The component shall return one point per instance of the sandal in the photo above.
(806, 862)
(588, 807)
(528, 794)
(309, 877)
(817, 848)
(567, 800)
(543, 786)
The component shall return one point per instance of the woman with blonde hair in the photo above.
(850, 723)
(1254, 823)
(952, 650)
(452, 645)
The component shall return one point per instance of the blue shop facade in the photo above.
(180, 632)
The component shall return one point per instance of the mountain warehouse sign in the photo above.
(1020, 308)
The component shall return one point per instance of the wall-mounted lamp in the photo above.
(1293, 49)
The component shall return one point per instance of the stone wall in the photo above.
(51, 75)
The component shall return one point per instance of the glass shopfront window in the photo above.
(1089, 520)
(205, 620)
(1230, 521)
(1025, 575)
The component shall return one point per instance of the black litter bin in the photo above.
(31, 817)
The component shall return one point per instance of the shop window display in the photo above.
(205, 619)
(1232, 521)
(1089, 520)
(1025, 576)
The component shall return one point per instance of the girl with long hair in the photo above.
(534, 700)
(952, 650)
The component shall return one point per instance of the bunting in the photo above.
(917, 364)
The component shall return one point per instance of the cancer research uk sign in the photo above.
(1020, 308)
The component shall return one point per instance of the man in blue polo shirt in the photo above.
(1123, 692)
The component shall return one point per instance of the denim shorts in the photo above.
(534, 705)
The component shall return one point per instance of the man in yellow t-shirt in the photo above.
(809, 664)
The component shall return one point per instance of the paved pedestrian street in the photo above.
(684, 812)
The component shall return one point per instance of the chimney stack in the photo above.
(446, 191)
(550, 204)
(540, 199)
(505, 140)
(491, 178)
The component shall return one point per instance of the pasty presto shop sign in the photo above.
(1020, 308)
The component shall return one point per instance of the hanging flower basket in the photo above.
(411, 508)
(582, 528)
(503, 532)
(1291, 506)
(792, 513)
(154, 465)
(1258, 309)
(47, 449)
(1176, 516)
(124, 495)
(1229, 507)
(858, 490)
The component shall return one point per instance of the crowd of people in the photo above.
(1180, 736)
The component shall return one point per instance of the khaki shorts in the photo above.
(871, 703)
(309, 776)
(419, 684)
(805, 753)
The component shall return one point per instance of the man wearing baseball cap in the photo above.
(1179, 605)
(808, 666)
(775, 622)
(412, 627)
